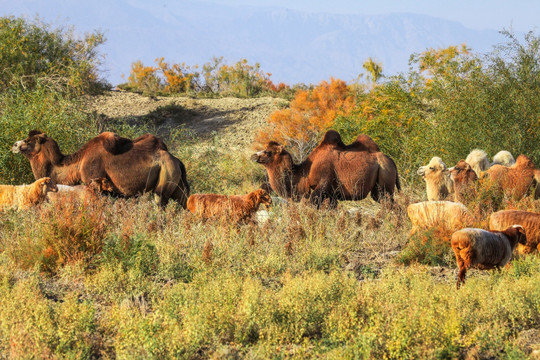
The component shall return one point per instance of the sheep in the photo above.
(239, 208)
(23, 196)
(478, 161)
(485, 249)
(81, 192)
(503, 158)
(530, 222)
(447, 215)
(439, 183)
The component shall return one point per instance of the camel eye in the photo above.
(432, 168)
(269, 153)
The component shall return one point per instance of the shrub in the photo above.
(309, 115)
(33, 54)
(429, 247)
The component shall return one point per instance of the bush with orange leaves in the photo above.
(310, 114)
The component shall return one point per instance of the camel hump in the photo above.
(332, 137)
(364, 142)
(112, 142)
(150, 141)
(524, 162)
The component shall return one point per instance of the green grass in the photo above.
(307, 283)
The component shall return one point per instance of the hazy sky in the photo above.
(521, 15)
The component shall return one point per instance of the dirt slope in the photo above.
(234, 120)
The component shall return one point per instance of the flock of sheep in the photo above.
(97, 165)
(508, 229)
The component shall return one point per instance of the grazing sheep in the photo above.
(517, 179)
(464, 177)
(238, 208)
(485, 249)
(530, 222)
(24, 196)
(448, 215)
(478, 161)
(439, 183)
(503, 158)
(81, 192)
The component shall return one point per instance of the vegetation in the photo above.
(120, 278)
(216, 78)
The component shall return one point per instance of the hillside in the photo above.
(235, 119)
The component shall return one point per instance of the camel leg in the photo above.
(171, 182)
(320, 194)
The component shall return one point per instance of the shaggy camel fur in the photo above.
(238, 208)
(516, 180)
(447, 215)
(24, 196)
(332, 171)
(478, 161)
(439, 183)
(133, 166)
(503, 158)
(464, 178)
(530, 222)
(81, 192)
(485, 249)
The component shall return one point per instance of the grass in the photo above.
(307, 283)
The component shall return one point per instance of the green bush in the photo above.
(34, 54)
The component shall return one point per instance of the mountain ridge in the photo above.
(294, 46)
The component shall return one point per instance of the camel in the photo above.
(132, 166)
(332, 171)
(516, 180)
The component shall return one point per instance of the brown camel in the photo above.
(333, 171)
(132, 166)
(516, 180)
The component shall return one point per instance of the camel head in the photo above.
(47, 185)
(462, 172)
(31, 145)
(272, 154)
(436, 165)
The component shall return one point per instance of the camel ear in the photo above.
(41, 138)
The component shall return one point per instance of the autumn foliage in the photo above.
(216, 77)
(311, 112)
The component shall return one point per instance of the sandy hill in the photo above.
(235, 120)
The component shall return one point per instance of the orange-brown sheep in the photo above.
(530, 222)
(485, 249)
(24, 196)
(446, 215)
(238, 208)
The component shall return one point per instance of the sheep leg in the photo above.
(461, 277)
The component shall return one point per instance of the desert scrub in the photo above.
(168, 285)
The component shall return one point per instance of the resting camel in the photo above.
(516, 180)
(333, 171)
(439, 182)
(132, 166)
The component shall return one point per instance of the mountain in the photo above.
(293, 46)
